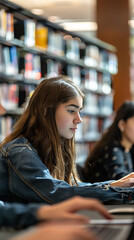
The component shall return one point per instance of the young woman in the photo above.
(37, 158)
(111, 157)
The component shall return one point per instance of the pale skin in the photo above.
(67, 209)
(56, 232)
(67, 119)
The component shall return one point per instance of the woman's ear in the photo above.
(121, 125)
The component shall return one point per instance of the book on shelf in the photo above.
(1, 60)
(10, 26)
(56, 43)
(2, 128)
(32, 66)
(79, 132)
(91, 80)
(82, 151)
(29, 31)
(28, 70)
(9, 96)
(41, 36)
(91, 104)
(90, 128)
(92, 55)
(106, 83)
(6, 25)
(14, 60)
(53, 68)
(105, 104)
(13, 96)
(3, 23)
(112, 63)
(72, 49)
(75, 73)
(13, 100)
(6, 124)
(7, 61)
(104, 60)
(36, 67)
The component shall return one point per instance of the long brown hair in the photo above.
(125, 111)
(37, 124)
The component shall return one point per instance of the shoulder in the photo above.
(18, 146)
(18, 143)
(20, 152)
(114, 145)
(113, 148)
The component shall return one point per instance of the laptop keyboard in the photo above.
(106, 232)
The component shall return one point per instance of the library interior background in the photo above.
(91, 41)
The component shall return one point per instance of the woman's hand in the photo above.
(66, 210)
(127, 181)
(56, 232)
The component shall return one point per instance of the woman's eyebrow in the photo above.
(73, 105)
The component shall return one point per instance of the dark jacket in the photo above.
(113, 163)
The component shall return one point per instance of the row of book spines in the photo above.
(9, 64)
(58, 43)
(98, 104)
(13, 96)
(12, 63)
(62, 44)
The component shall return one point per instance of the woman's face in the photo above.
(67, 117)
(128, 130)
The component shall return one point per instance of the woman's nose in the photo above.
(78, 119)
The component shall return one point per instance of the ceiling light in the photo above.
(80, 26)
(37, 11)
(53, 18)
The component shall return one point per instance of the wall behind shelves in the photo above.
(112, 19)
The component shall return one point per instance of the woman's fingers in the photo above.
(79, 203)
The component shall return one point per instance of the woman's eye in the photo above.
(71, 111)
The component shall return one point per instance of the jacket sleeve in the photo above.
(17, 215)
(31, 181)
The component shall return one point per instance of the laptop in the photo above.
(116, 229)
(120, 228)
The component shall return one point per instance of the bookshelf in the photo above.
(132, 63)
(31, 48)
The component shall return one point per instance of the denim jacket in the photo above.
(25, 178)
(17, 215)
